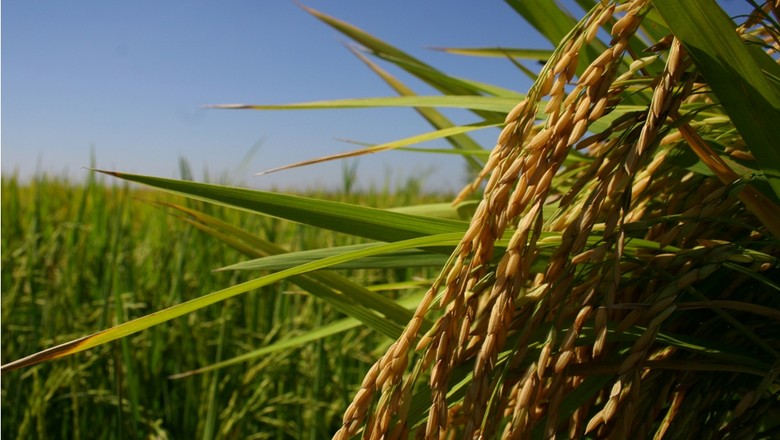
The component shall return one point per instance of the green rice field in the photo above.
(79, 258)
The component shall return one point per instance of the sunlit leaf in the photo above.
(362, 221)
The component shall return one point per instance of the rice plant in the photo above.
(662, 277)
(619, 275)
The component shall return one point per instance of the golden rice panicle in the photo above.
(567, 121)
(664, 102)
(386, 375)
(489, 310)
(497, 211)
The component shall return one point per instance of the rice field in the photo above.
(78, 258)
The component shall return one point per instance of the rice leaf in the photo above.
(399, 259)
(326, 285)
(470, 102)
(499, 52)
(356, 220)
(460, 141)
(331, 329)
(739, 75)
(446, 133)
(433, 77)
(145, 322)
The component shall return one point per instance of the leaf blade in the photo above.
(738, 74)
(376, 224)
(153, 319)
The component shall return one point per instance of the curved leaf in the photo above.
(145, 322)
(376, 224)
(471, 102)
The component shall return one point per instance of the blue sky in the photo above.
(128, 80)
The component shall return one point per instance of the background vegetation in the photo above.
(80, 258)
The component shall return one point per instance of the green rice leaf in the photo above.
(739, 75)
(398, 259)
(500, 52)
(449, 132)
(471, 102)
(376, 224)
(463, 211)
(460, 141)
(145, 322)
(295, 341)
(311, 336)
(446, 83)
(435, 78)
(361, 302)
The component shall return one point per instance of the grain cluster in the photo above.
(534, 300)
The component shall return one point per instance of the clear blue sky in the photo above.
(127, 80)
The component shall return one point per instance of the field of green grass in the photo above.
(79, 258)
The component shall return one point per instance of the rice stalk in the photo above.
(524, 333)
